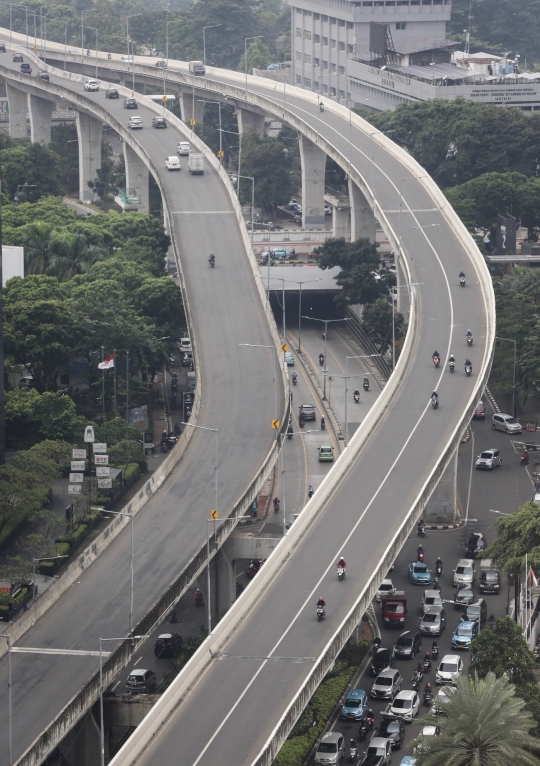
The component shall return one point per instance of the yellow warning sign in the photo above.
(284, 347)
(193, 122)
(221, 153)
(275, 424)
(214, 514)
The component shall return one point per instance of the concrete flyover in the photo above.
(238, 698)
(235, 394)
(401, 451)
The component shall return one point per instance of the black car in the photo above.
(43, 76)
(463, 597)
(168, 645)
(475, 545)
(490, 581)
(18, 57)
(382, 658)
(392, 727)
(308, 411)
(159, 122)
(187, 359)
(112, 93)
(408, 644)
(130, 103)
(2, 48)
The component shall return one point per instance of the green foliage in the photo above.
(502, 650)
(377, 322)
(128, 452)
(32, 417)
(263, 158)
(484, 723)
(517, 535)
(56, 450)
(456, 141)
(132, 473)
(357, 260)
(21, 495)
(258, 57)
(33, 164)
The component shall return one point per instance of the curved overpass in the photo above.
(235, 395)
(242, 692)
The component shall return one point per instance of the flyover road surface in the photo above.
(229, 715)
(237, 398)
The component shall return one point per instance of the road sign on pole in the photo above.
(193, 122)
(214, 515)
(221, 153)
(275, 424)
(284, 347)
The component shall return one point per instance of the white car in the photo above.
(92, 85)
(183, 148)
(135, 122)
(386, 588)
(489, 459)
(449, 670)
(423, 738)
(129, 59)
(406, 704)
(172, 163)
(443, 695)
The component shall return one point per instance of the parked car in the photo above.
(392, 728)
(91, 85)
(18, 57)
(406, 704)
(464, 633)
(135, 123)
(141, 681)
(161, 64)
(168, 645)
(419, 574)
(355, 705)
(173, 163)
(387, 684)
(326, 454)
(506, 423)
(308, 411)
(289, 358)
(183, 148)
(26, 68)
(433, 622)
(112, 93)
(330, 750)
(489, 459)
(130, 103)
(480, 411)
(43, 76)
(159, 122)
(449, 670)
(386, 588)
(408, 644)
(382, 658)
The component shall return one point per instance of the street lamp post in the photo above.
(514, 392)
(363, 356)
(131, 562)
(235, 133)
(297, 282)
(34, 562)
(210, 26)
(205, 101)
(10, 708)
(250, 178)
(412, 284)
(257, 37)
(256, 345)
(209, 606)
(326, 323)
(86, 10)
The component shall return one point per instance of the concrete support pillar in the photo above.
(89, 132)
(226, 578)
(191, 107)
(3, 92)
(248, 120)
(40, 118)
(313, 181)
(441, 507)
(362, 218)
(81, 747)
(18, 107)
(340, 221)
(137, 177)
(126, 80)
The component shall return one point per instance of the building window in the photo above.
(316, 15)
(325, 41)
(368, 4)
(299, 10)
(400, 25)
(307, 58)
(332, 43)
(332, 21)
(437, 2)
(325, 88)
(307, 34)
(391, 2)
(316, 62)
(342, 94)
(298, 80)
(298, 32)
(349, 48)
(350, 25)
(307, 82)
(378, 3)
(415, 2)
(332, 67)
(307, 13)
(317, 38)
(324, 17)
(341, 23)
(332, 91)
(426, 2)
(325, 64)
(299, 55)
(341, 70)
(341, 46)
(403, 2)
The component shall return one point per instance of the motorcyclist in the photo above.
(109, 56)
(461, 274)
(356, 393)
(419, 550)
(341, 563)
(435, 355)
(321, 602)
(438, 563)
(323, 423)
(434, 396)
(294, 378)
(469, 334)
(366, 383)
(525, 456)
(421, 524)
(164, 437)
(88, 51)
(311, 491)
(276, 504)
(468, 363)
(321, 358)
(290, 428)
(452, 358)
(198, 596)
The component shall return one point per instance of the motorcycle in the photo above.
(365, 384)
(341, 573)
(462, 281)
(434, 402)
(276, 505)
(421, 529)
(468, 369)
(172, 615)
(452, 365)
(321, 107)
(436, 584)
(428, 698)
(356, 398)
(289, 433)
(363, 730)
(524, 459)
(164, 446)
(469, 340)
(212, 262)
(369, 719)
(323, 424)
(302, 422)
(426, 665)
(321, 614)
(294, 379)
(417, 679)
(438, 569)
(421, 556)
(198, 598)
(436, 361)
(172, 360)
(434, 650)
(353, 751)
(321, 359)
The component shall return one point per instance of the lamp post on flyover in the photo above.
(131, 562)
(326, 323)
(214, 518)
(296, 282)
(10, 709)
(210, 26)
(375, 133)
(97, 46)
(256, 345)
(257, 37)
(250, 178)
(235, 133)
(363, 356)
(514, 402)
(398, 287)
(282, 437)
(86, 10)
(407, 178)
(131, 16)
(205, 101)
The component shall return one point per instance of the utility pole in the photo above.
(2, 409)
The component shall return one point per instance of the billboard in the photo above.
(12, 263)
(506, 235)
(377, 38)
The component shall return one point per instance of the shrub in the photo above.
(131, 474)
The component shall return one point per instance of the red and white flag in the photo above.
(106, 364)
(532, 579)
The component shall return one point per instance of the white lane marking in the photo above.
(202, 212)
(68, 652)
(470, 477)
(137, 661)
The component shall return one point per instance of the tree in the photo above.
(263, 158)
(41, 541)
(485, 724)
(38, 247)
(34, 164)
(72, 255)
(160, 301)
(377, 322)
(20, 496)
(258, 57)
(357, 260)
(517, 535)
(64, 143)
(32, 417)
(502, 650)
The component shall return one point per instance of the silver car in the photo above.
(506, 423)
(387, 684)
(433, 622)
(489, 459)
(431, 598)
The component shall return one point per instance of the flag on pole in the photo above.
(106, 364)
(532, 579)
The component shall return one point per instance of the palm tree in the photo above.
(484, 725)
(72, 255)
(37, 241)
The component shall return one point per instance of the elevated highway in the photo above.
(238, 698)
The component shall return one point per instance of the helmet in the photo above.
(321, 598)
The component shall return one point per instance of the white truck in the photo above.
(196, 164)
(197, 68)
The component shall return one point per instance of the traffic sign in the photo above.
(34, 47)
(275, 424)
(164, 100)
(284, 347)
(221, 153)
(193, 122)
(89, 434)
(214, 515)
